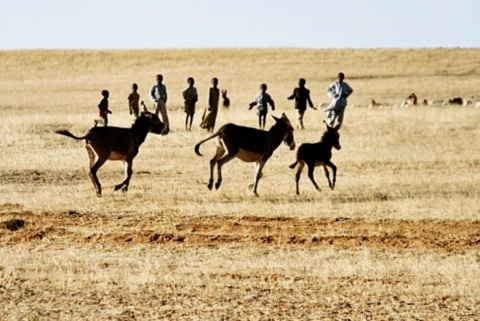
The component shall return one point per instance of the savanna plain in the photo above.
(397, 239)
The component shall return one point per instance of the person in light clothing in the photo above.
(158, 95)
(338, 92)
(262, 100)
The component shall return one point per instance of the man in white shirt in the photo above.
(338, 92)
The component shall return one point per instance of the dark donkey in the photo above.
(318, 154)
(114, 143)
(248, 144)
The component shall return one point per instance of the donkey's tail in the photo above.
(69, 134)
(293, 165)
(197, 147)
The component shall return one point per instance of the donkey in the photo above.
(318, 154)
(226, 100)
(114, 143)
(248, 144)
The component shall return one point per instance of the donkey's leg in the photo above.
(128, 176)
(218, 154)
(222, 161)
(311, 168)
(91, 155)
(334, 172)
(258, 175)
(299, 173)
(93, 174)
(327, 175)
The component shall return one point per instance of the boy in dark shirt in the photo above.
(133, 100)
(103, 110)
(301, 96)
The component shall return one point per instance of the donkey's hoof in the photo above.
(117, 187)
(217, 184)
(210, 185)
(99, 194)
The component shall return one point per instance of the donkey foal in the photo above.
(318, 154)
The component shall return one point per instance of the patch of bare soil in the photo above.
(224, 294)
(345, 233)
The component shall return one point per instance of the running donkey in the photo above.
(248, 144)
(114, 143)
(318, 154)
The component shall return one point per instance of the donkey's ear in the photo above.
(328, 127)
(276, 118)
(337, 127)
(144, 106)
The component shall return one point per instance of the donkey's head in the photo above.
(149, 121)
(331, 136)
(288, 138)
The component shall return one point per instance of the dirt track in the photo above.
(73, 227)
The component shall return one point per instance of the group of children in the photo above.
(158, 95)
(103, 110)
(337, 91)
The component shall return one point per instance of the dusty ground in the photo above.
(270, 268)
(343, 233)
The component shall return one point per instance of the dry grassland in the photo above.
(398, 239)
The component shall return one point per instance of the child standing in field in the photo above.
(103, 110)
(158, 94)
(191, 97)
(210, 114)
(261, 101)
(133, 100)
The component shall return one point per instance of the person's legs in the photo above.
(188, 121)
(136, 112)
(340, 113)
(191, 121)
(161, 106)
(300, 114)
(331, 117)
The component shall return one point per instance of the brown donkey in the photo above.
(114, 143)
(318, 154)
(248, 144)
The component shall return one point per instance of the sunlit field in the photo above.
(397, 239)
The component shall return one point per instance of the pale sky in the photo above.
(159, 24)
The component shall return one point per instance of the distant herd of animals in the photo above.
(232, 141)
(412, 100)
